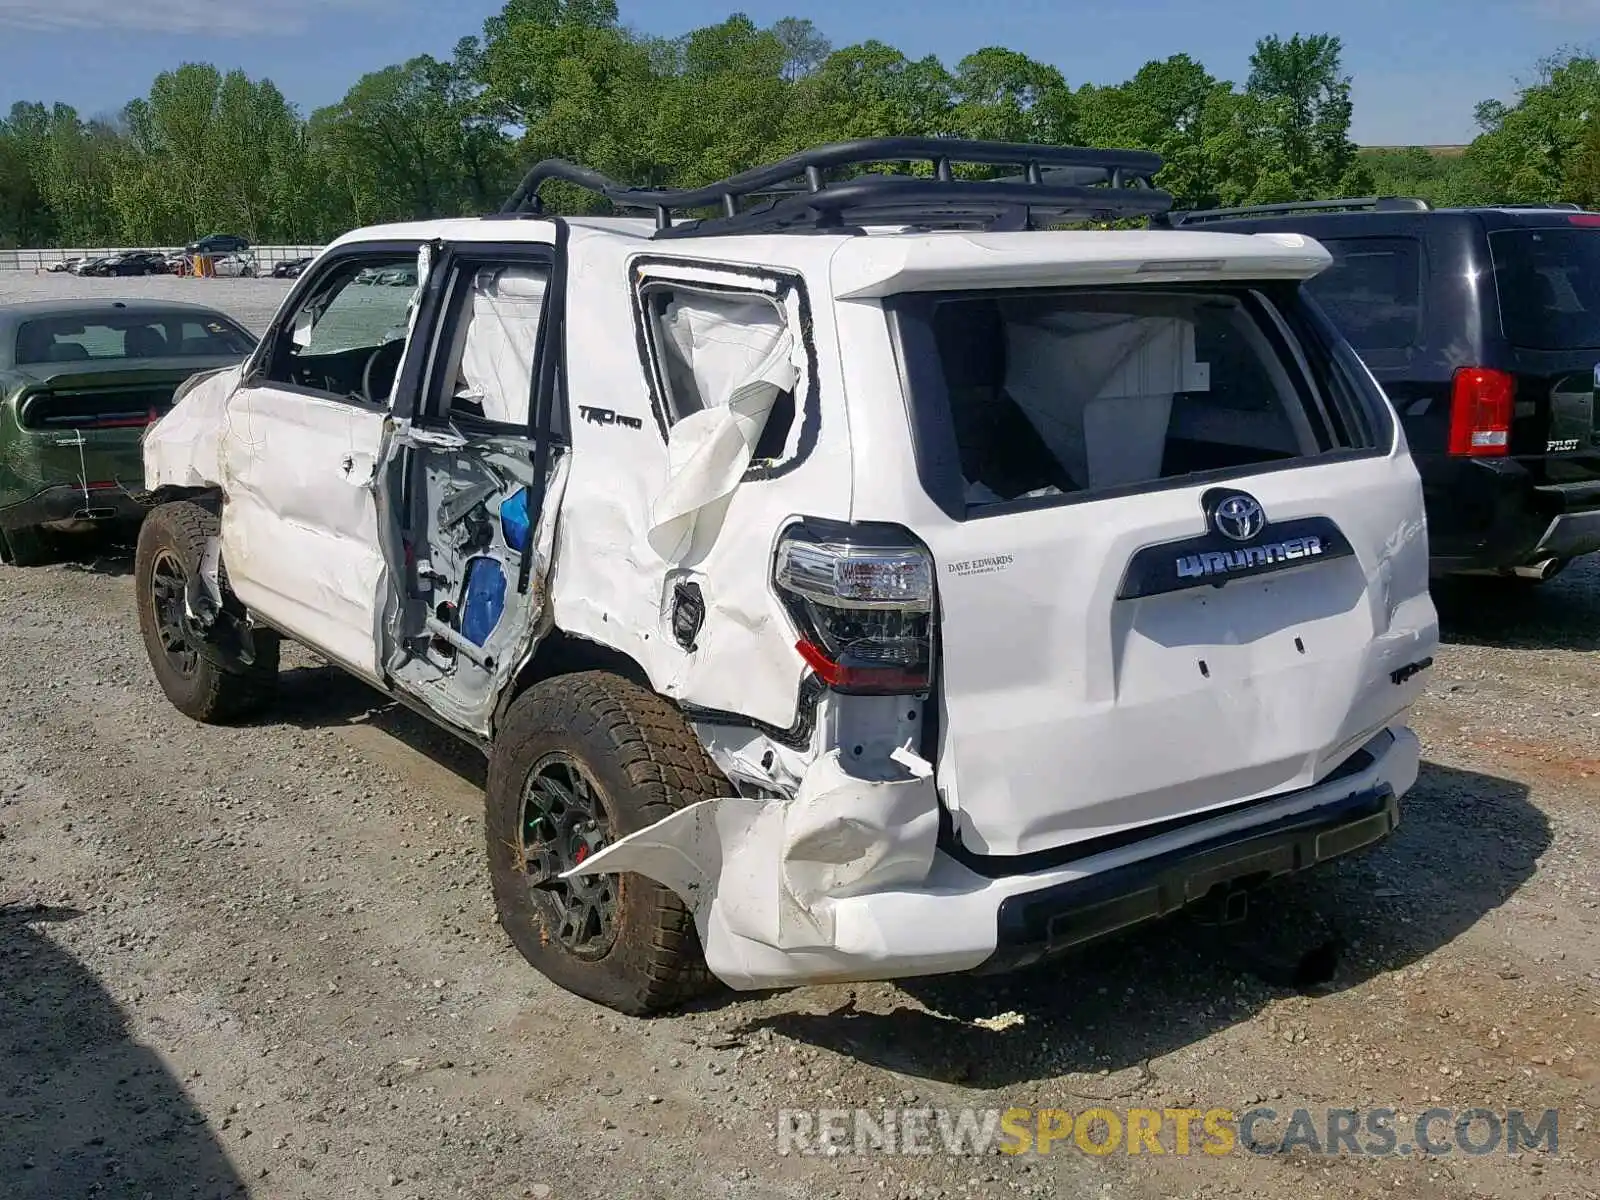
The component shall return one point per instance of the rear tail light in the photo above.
(1480, 412)
(863, 603)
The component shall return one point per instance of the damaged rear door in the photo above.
(482, 453)
(1172, 580)
(305, 439)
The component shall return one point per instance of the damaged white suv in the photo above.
(849, 580)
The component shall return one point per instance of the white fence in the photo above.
(267, 257)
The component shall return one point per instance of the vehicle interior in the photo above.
(346, 339)
(1161, 386)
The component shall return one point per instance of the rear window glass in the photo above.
(73, 339)
(1373, 291)
(1548, 281)
(1073, 392)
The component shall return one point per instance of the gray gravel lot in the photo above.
(251, 302)
(263, 961)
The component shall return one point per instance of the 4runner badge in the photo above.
(1238, 542)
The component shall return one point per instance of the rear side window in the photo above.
(1373, 291)
(1548, 281)
(1074, 393)
(711, 347)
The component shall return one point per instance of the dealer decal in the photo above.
(987, 565)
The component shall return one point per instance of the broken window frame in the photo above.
(786, 289)
(1302, 344)
(446, 341)
(268, 365)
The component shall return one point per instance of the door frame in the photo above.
(549, 405)
(271, 351)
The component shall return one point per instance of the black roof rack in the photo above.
(1559, 205)
(1056, 183)
(1357, 204)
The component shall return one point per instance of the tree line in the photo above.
(207, 151)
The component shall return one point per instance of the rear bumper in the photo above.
(1040, 923)
(1569, 535)
(67, 502)
(1490, 515)
(957, 920)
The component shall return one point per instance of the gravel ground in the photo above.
(249, 301)
(263, 961)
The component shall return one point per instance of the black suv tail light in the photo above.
(1480, 412)
(863, 603)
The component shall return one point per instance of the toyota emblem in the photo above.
(1238, 517)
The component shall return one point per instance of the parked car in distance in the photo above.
(219, 243)
(66, 264)
(1483, 326)
(818, 576)
(91, 264)
(291, 268)
(240, 266)
(133, 263)
(79, 382)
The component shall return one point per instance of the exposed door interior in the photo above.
(472, 502)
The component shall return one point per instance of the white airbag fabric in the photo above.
(502, 332)
(1098, 388)
(740, 355)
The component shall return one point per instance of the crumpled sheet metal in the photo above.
(182, 449)
(760, 875)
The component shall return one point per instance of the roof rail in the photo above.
(1553, 205)
(1354, 204)
(796, 194)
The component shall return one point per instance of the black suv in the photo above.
(219, 243)
(1483, 325)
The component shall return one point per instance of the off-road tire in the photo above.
(209, 693)
(645, 763)
(25, 546)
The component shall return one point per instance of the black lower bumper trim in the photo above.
(1036, 925)
(68, 503)
(1569, 536)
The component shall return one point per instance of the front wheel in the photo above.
(172, 543)
(582, 761)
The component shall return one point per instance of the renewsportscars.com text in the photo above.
(1370, 1132)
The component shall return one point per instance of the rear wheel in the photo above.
(24, 546)
(582, 761)
(172, 543)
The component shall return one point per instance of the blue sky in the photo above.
(1419, 65)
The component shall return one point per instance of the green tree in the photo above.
(1194, 121)
(1006, 96)
(870, 90)
(1527, 149)
(1305, 110)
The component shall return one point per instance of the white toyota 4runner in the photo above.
(850, 579)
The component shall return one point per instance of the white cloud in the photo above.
(217, 18)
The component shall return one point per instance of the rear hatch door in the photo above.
(1547, 280)
(1191, 569)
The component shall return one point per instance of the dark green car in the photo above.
(79, 382)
